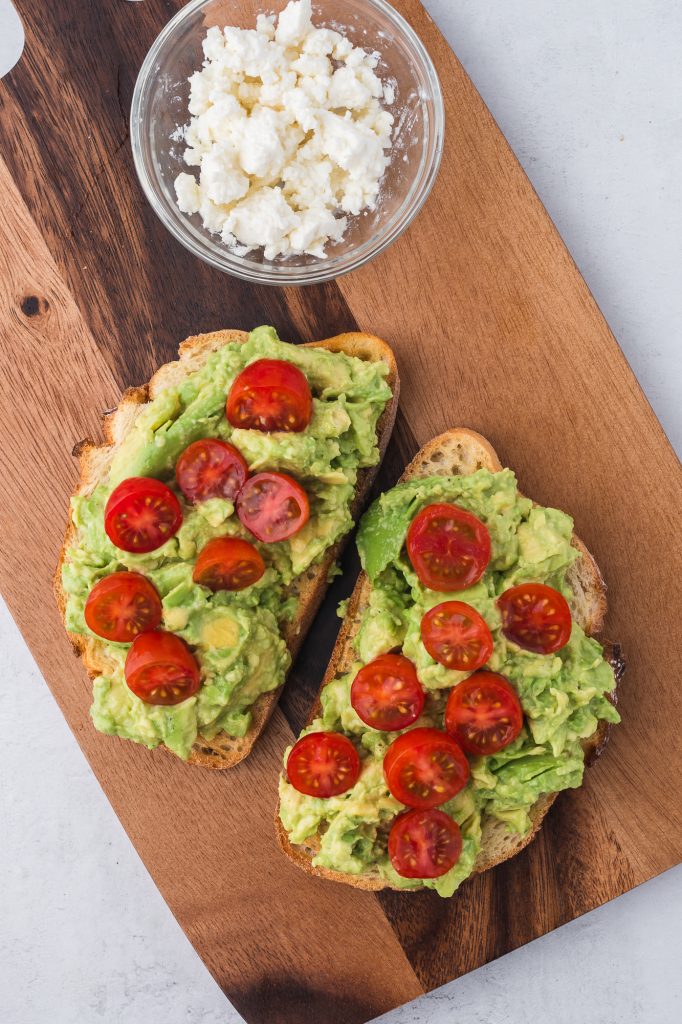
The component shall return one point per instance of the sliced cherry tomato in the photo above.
(425, 767)
(161, 669)
(484, 713)
(457, 636)
(536, 617)
(228, 563)
(211, 469)
(270, 394)
(141, 515)
(323, 764)
(386, 694)
(449, 547)
(424, 843)
(121, 606)
(272, 506)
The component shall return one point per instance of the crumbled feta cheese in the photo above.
(214, 44)
(342, 48)
(310, 65)
(261, 152)
(294, 23)
(316, 226)
(348, 90)
(212, 214)
(265, 24)
(354, 147)
(289, 134)
(219, 180)
(263, 218)
(321, 40)
(188, 193)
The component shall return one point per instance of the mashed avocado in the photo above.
(563, 695)
(235, 635)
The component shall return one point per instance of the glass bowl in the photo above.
(159, 108)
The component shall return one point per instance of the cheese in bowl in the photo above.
(290, 132)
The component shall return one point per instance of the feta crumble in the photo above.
(289, 133)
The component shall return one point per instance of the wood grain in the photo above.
(493, 328)
(235, 891)
(530, 362)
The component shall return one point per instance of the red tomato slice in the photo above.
(272, 506)
(270, 394)
(425, 767)
(323, 764)
(386, 694)
(211, 469)
(161, 669)
(121, 606)
(457, 636)
(536, 617)
(484, 713)
(449, 547)
(424, 843)
(228, 563)
(141, 515)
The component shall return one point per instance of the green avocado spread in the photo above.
(235, 636)
(563, 695)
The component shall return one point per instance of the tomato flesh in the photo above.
(456, 636)
(386, 694)
(228, 563)
(536, 617)
(272, 506)
(269, 395)
(323, 764)
(484, 713)
(425, 767)
(449, 548)
(141, 515)
(161, 669)
(121, 606)
(211, 469)
(424, 843)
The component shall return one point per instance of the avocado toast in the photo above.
(243, 641)
(566, 698)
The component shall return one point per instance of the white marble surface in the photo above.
(588, 95)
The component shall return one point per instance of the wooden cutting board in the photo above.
(493, 328)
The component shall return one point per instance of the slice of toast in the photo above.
(459, 452)
(225, 751)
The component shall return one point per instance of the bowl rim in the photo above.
(271, 272)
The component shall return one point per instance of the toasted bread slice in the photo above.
(225, 751)
(458, 452)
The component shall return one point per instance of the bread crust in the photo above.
(224, 751)
(463, 451)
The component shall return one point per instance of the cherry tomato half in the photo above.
(536, 617)
(272, 506)
(425, 767)
(449, 547)
(484, 713)
(228, 563)
(424, 843)
(161, 669)
(457, 636)
(387, 694)
(121, 606)
(141, 515)
(323, 764)
(211, 469)
(270, 394)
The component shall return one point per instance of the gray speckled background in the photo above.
(588, 94)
